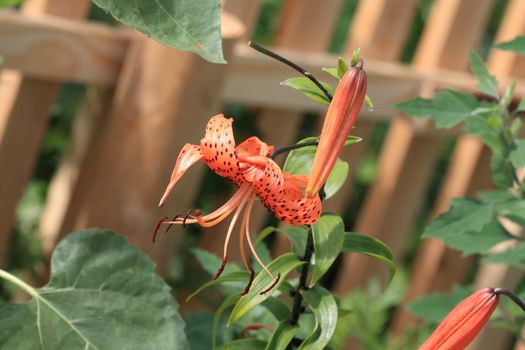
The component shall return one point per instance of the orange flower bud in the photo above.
(464, 322)
(340, 118)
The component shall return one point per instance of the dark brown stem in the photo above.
(289, 148)
(511, 296)
(297, 309)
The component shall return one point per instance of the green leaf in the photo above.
(513, 210)
(502, 171)
(229, 301)
(513, 256)
(103, 294)
(299, 162)
(521, 106)
(517, 45)
(355, 56)
(342, 67)
(282, 336)
(198, 326)
(235, 276)
(328, 233)
(307, 87)
(363, 244)
(333, 72)
(435, 307)
(190, 25)
(282, 265)
(486, 82)
(211, 262)
(296, 234)
(447, 108)
(8, 3)
(470, 226)
(496, 196)
(277, 308)
(244, 344)
(264, 253)
(369, 104)
(479, 126)
(350, 140)
(323, 305)
(515, 127)
(517, 155)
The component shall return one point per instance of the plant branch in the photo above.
(511, 296)
(297, 309)
(298, 68)
(289, 148)
(19, 283)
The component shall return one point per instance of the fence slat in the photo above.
(395, 197)
(23, 119)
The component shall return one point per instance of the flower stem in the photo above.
(297, 309)
(511, 296)
(19, 283)
(289, 148)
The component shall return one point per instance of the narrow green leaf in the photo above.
(328, 233)
(244, 344)
(486, 83)
(323, 305)
(211, 262)
(506, 100)
(512, 256)
(103, 294)
(282, 336)
(447, 108)
(8, 3)
(517, 45)
(299, 162)
(521, 106)
(355, 56)
(369, 104)
(229, 301)
(515, 127)
(264, 253)
(307, 87)
(342, 67)
(333, 72)
(363, 244)
(296, 234)
(435, 307)
(235, 276)
(190, 25)
(350, 140)
(282, 265)
(517, 155)
(277, 308)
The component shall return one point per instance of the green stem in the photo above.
(19, 283)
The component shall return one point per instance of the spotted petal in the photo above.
(187, 157)
(218, 149)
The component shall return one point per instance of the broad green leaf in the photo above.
(296, 234)
(486, 83)
(190, 25)
(235, 276)
(244, 344)
(277, 308)
(363, 244)
(211, 262)
(328, 233)
(470, 226)
(282, 336)
(229, 301)
(307, 87)
(282, 265)
(299, 162)
(435, 307)
(447, 108)
(512, 256)
(513, 210)
(103, 294)
(496, 196)
(517, 155)
(323, 305)
(517, 45)
(479, 126)
(502, 171)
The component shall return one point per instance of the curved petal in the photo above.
(187, 157)
(252, 147)
(218, 149)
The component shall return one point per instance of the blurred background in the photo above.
(93, 115)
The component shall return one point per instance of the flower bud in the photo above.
(464, 322)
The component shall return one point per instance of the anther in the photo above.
(273, 285)
(249, 285)
(187, 215)
(169, 226)
(224, 261)
(161, 220)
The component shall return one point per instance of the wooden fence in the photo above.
(144, 101)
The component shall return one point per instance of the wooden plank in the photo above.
(51, 48)
(23, 120)
(407, 159)
(154, 112)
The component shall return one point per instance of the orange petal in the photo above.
(218, 149)
(464, 322)
(249, 148)
(340, 118)
(187, 157)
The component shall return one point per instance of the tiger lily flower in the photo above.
(339, 121)
(464, 322)
(255, 174)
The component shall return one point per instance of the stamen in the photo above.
(159, 222)
(223, 265)
(273, 285)
(248, 236)
(171, 224)
(249, 285)
(187, 215)
(234, 220)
